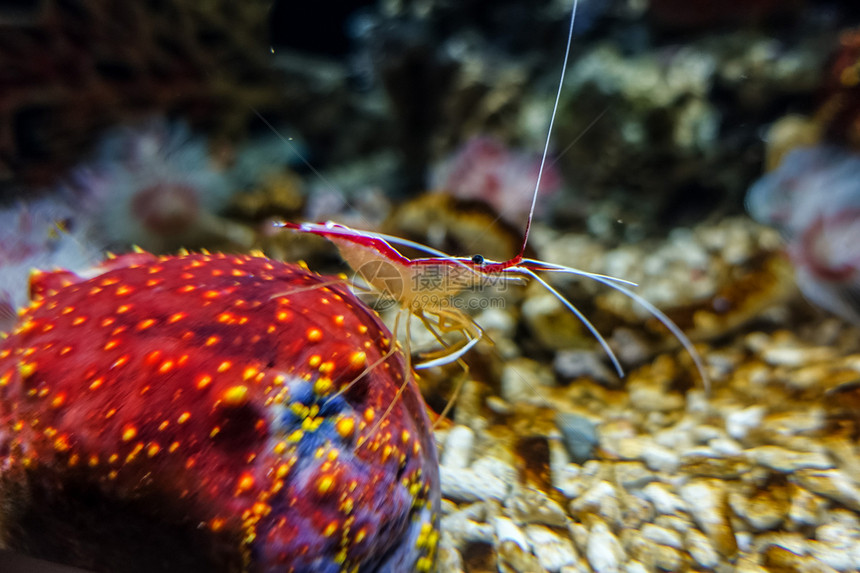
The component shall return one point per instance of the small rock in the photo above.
(664, 500)
(634, 566)
(832, 484)
(464, 530)
(579, 534)
(652, 555)
(707, 504)
(726, 447)
(507, 530)
(806, 507)
(837, 546)
(469, 485)
(604, 551)
(667, 558)
(680, 523)
(457, 453)
(661, 459)
(792, 542)
(513, 558)
(448, 557)
(636, 511)
(579, 436)
(707, 463)
(740, 422)
(762, 511)
(568, 479)
(662, 536)
(572, 364)
(787, 461)
(654, 398)
(553, 551)
(796, 422)
(701, 549)
(655, 456)
(778, 558)
(521, 381)
(602, 499)
(793, 355)
(529, 505)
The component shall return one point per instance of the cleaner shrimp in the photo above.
(415, 286)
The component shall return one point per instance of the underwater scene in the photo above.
(430, 286)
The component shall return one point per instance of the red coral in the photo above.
(207, 386)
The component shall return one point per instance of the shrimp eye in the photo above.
(478, 259)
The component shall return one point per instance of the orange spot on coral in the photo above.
(235, 395)
(176, 317)
(345, 427)
(129, 432)
(246, 482)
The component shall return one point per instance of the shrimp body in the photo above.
(376, 261)
(408, 281)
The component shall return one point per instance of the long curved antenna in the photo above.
(551, 267)
(591, 328)
(519, 255)
(669, 324)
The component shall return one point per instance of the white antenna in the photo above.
(549, 130)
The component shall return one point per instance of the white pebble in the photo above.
(464, 530)
(604, 551)
(553, 552)
(837, 546)
(664, 500)
(661, 459)
(740, 422)
(457, 452)
(601, 498)
(507, 530)
(662, 536)
(787, 461)
(469, 485)
(701, 549)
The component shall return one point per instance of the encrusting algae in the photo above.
(228, 394)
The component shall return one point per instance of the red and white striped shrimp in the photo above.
(407, 280)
